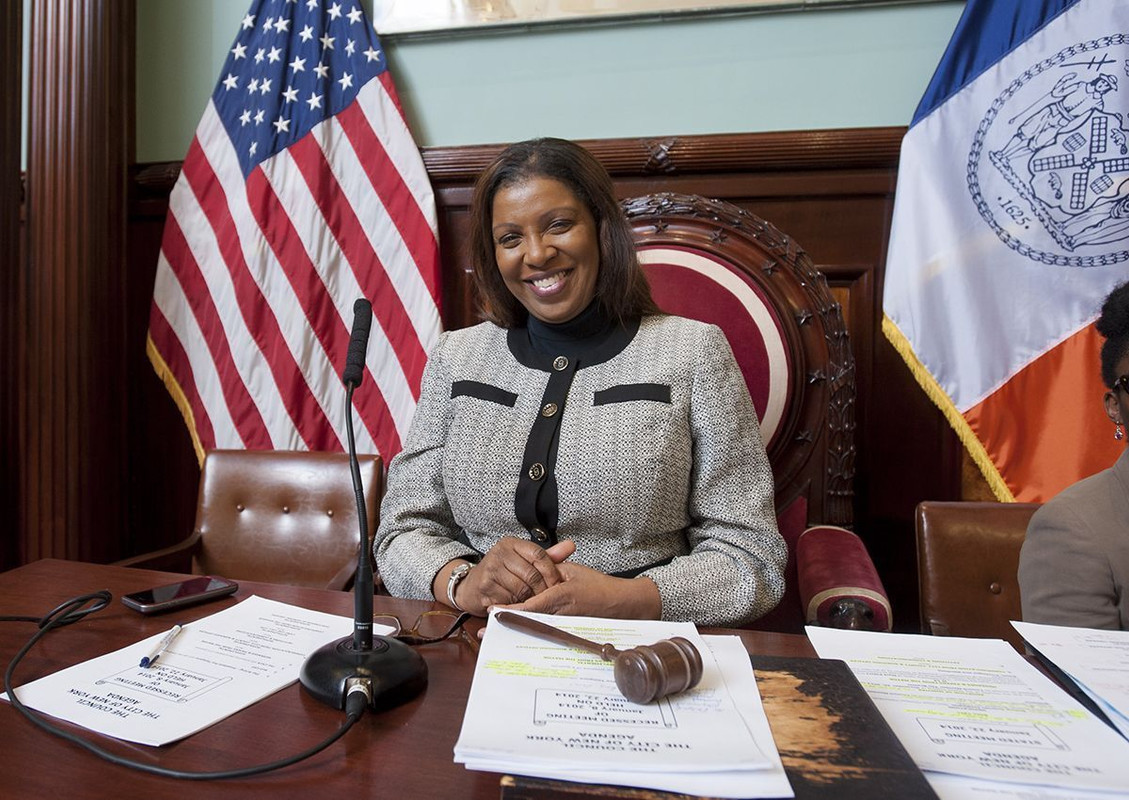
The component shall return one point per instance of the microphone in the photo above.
(358, 343)
(385, 670)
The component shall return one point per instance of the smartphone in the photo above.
(178, 595)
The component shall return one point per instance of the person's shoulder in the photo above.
(484, 334)
(673, 325)
(1089, 497)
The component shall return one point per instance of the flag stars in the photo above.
(249, 21)
(231, 82)
(245, 117)
(311, 4)
(260, 115)
(298, 65)
(239, 51)
(307, 33)
(252, 149)
(281, 125)
(322, 70)
(290, 94)
(355, 15)
(326, 42)
(371, 54)
(335, 11)
(253, 86)
(281, 25)
(314, 101)
(268, 24)
(346, 81)
(260, 54)
(265, 86)
(274, 55)
(350, 47)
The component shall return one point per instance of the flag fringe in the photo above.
(959, 424)
(177, 394)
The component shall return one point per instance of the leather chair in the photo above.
(967, 565)
(715, 262)
(277, 516)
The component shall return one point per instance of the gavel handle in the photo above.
(540, 629)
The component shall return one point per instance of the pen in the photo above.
(161, 647)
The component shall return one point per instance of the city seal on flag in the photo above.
(1049, 165)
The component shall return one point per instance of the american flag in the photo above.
(301, 192)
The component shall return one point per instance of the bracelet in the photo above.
(457, 574)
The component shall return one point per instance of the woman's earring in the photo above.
(1118, 433)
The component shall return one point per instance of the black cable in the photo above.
(72, 611)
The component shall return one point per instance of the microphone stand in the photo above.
(386, 670)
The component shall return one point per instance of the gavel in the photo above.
(643, 673)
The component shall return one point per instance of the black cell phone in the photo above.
(179, 595)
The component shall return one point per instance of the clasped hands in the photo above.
(520, 575)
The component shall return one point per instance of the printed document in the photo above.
(1096, 660)
(549, 710)
(976, 708)
(213, 668)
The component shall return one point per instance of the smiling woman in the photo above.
(580, 452)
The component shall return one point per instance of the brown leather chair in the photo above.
(967, 565)
(712, 261)
(277, 516)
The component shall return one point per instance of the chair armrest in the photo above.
(174, 558)
(839, 586)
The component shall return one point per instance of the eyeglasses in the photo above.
(1121, 383)
(429, 627)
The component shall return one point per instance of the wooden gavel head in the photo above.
(651, 671)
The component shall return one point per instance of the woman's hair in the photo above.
(1113, 324)
(622, 291)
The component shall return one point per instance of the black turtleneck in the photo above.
(575, 338)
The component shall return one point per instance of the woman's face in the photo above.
(547, 247)
(1117, 400)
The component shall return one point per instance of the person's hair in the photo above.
(622, 291)
(1113, 324)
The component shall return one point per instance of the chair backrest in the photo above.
(282, 516)
(967, 565)
(712, 261)
(715, 262)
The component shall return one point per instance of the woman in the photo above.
(1074, 566)
(580, 452)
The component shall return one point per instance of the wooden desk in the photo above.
(402, 753)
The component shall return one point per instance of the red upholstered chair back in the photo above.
(715, 262)
(712, 261)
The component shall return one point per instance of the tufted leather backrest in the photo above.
(967, 565)
(282, 516)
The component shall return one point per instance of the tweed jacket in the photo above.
(653, 449)
(1074, 565)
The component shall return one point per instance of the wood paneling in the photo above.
(72, 412)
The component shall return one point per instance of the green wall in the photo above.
(784, 71)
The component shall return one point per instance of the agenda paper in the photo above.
(1096, 660)
(975, 707)
(216, 666)
(540, 708)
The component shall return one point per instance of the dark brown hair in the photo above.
(1113, 324)
(622, 291)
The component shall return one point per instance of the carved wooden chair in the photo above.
(277, 516)
(712, 261)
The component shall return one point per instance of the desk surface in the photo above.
(404, 752)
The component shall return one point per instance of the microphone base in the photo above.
(397, 672)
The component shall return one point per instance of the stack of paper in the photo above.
(979, 720)
(551, 711)
(1096, 660)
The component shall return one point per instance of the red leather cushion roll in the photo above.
(832, 564)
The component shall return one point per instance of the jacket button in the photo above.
(537, 472)
(549, 409)
(539, 534)
(559, 363)
(995, 588)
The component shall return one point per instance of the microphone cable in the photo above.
(76, 609)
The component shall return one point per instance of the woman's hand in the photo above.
(590, 593)
(512, 570)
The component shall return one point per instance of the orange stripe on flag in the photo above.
(1046, 428)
